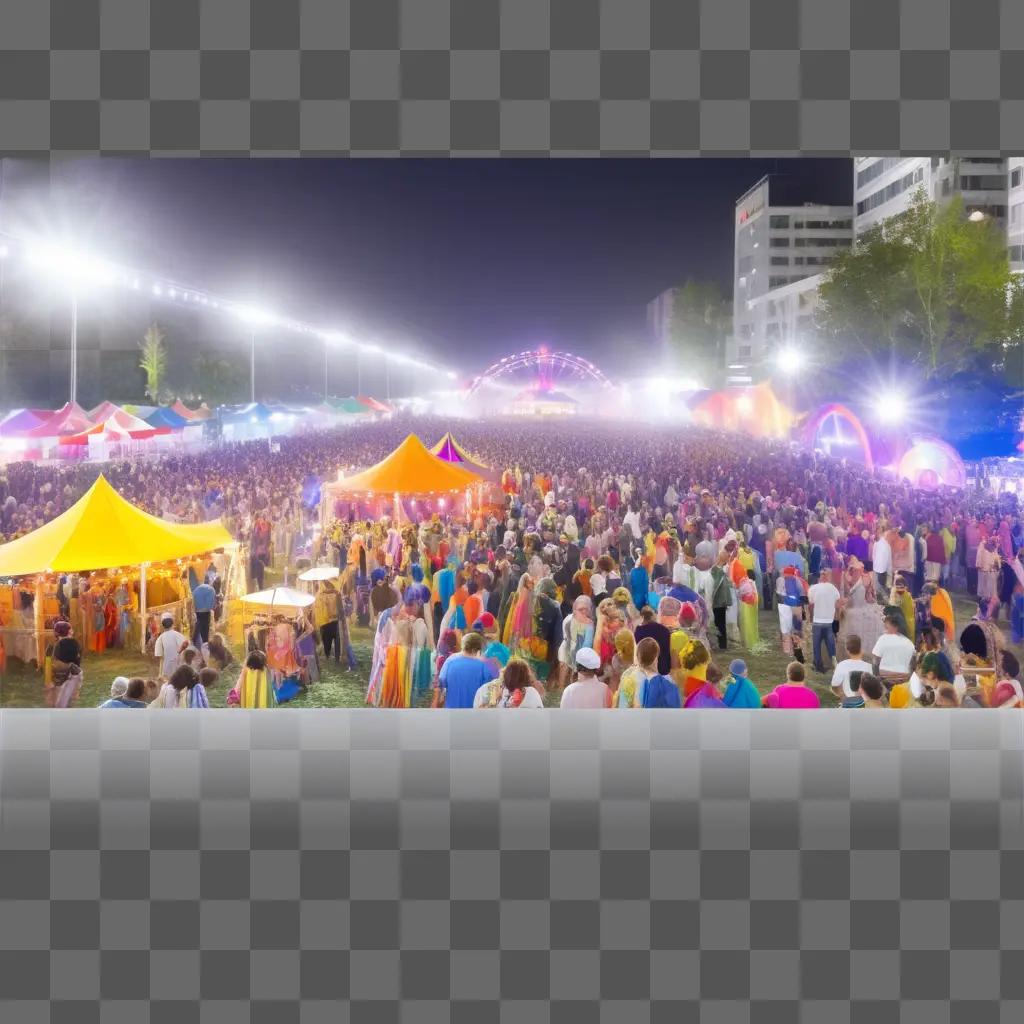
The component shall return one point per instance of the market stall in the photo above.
(111, 568)
(277, 622)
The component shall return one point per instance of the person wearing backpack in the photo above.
(792, 595)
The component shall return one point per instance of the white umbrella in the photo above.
(280, 597)
(320, 572)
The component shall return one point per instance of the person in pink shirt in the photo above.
(793, 693)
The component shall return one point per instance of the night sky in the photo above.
(465, 259)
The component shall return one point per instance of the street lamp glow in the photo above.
(790, 360)
(977, 217)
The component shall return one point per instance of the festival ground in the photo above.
(21, 685)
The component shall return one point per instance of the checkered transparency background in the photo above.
(376, 866)
(470, 77)
(382, 867)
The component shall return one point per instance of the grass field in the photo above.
(22, 686)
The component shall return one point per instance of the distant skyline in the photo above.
(461, 260)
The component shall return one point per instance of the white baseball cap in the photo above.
(587, 657)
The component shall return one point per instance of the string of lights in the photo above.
(81, 269)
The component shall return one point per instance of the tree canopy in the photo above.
(701, 318)
(931, 286)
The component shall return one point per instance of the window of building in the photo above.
(1016, 176)
(777, 282)
(982, 182)
(891, 191)
(779, 220)
(1017, 253)
(876, 170)
(779, 243)
(780, 261)
(798, 261)
(1017, 214)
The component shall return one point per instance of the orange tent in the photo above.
(409, 469)
(752, 410)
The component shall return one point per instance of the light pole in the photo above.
(254, 318)
(74, 344)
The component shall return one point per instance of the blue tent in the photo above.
(166, 418)
(254, 412)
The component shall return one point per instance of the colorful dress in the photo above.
(254, 689)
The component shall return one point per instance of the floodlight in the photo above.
(891, 407)
(254, 316)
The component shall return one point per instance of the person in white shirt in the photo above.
(169, 647)
(823, 599)
(588, 691)
(893, 651)
(632, 520)
(853, 662)
(881, 561)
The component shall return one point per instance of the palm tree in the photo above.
(153, 361)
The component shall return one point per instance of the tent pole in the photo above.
(142, 608)
(398, 509)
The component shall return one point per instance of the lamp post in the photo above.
(73, 376)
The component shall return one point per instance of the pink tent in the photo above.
(21, 421)
(71, 418)
(118, 426)
(103, 411)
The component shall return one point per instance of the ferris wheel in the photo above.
(550, 370)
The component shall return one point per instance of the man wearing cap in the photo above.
(588, 691)
(741, 692)
(169, 647)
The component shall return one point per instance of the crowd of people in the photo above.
(600, 538)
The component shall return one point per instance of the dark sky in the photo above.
(466, 259)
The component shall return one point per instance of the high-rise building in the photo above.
(659, 320)
(884, 186)
(779, 242)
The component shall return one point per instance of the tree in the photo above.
(217, 381)
(929, 285)
(153, 361)
(701, 318)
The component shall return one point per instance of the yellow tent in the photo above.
(102, 530)
(409, 469)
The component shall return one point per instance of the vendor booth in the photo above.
(278, 622)
(409, 474)
(111, 570)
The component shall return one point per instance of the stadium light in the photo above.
(891, 408)
(253, 315)
(77, 269)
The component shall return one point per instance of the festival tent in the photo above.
(103, 530)
(103, 411)
(70, 418)
(450, 450)
(166, 418)
(750, 410)
(372, 404)
(202, 413)
(20, 421)
(254, 412)
(142, 411)
(118, 427)
(410, 469)
(930, 463)
(350, 406)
